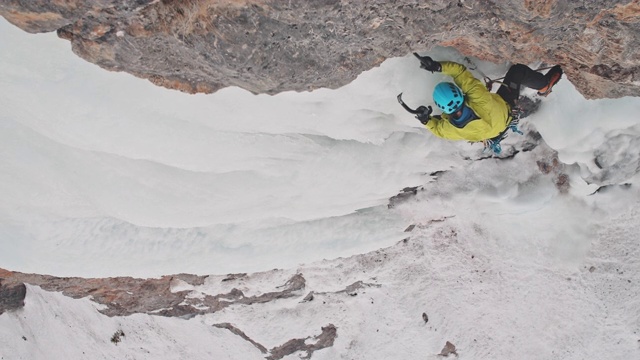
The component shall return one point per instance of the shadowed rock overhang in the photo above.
(279, 45)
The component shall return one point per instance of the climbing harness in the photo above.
(493, 144)
(524, 107)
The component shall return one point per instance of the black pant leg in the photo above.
(517, 76)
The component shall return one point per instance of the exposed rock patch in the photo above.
(403, 196)
(448, 349)
(324, 340)
(273, 46)
(11, 295)
(125, 295)
(241, 333)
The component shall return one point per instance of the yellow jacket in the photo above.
(492, 111)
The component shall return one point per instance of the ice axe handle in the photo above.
(419, 58)
(410, 110)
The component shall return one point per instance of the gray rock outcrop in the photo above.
(11, 295)
(269, 46)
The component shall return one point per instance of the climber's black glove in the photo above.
(428, 63)
(425, 113)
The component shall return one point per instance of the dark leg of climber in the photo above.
(517, 76)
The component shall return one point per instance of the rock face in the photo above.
(124, 296)
(269, 46)
(11, 295)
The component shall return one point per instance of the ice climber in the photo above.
(469, 110)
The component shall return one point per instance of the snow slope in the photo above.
(103, 174)
(479, 297)
(53, 326)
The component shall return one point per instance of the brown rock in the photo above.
(126, 295)
(279, 45)
(448, 349)
(324, 340)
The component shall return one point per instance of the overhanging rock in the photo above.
(280, 45)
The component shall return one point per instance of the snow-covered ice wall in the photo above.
(104, 174)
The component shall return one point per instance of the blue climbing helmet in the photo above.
(448, 97)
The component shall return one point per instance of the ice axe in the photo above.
(419, 58)
(422, 113)
(406, 107)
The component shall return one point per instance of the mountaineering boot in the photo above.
(553, 76)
